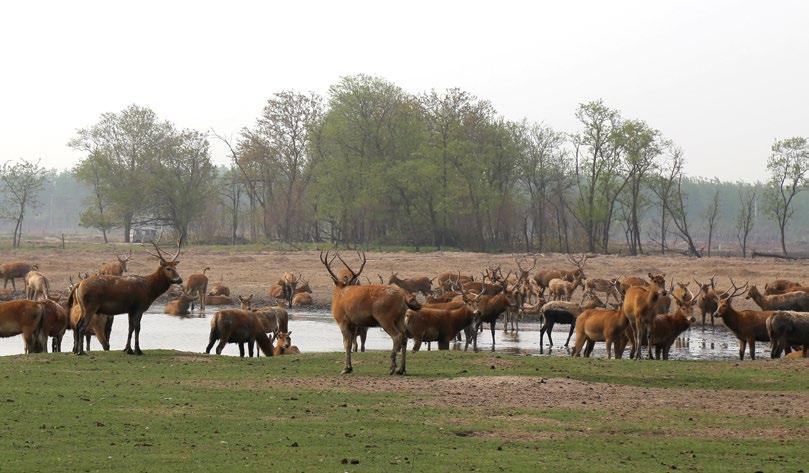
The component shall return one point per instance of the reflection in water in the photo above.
(315, 331)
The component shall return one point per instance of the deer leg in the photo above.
(541, 337)
(491, 325)
(712, 319)
(572, 328)
(241, 349)
(363, 336)
(130, 329)
(137, 318)
(250, 347)
(443, 344)
(752, 343)
(211, 340)
(417, 344)
(549, 324)
(742, 345)
(589, 348)
(609, 344)
(703, 319)
(348, 338)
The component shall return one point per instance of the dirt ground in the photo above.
(254, 272)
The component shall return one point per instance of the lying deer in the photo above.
(284, 346)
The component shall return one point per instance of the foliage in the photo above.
(20, 184)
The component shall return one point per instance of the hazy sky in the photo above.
(721, 78)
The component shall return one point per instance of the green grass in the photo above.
(167, 411)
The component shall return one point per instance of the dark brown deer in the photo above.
(101, 326)
(354, 306)
(113, 295)
(788, 329)
(749, 326)
(15, 270)
(707, 299)
(238, 326)
(55, 323)
(439, 324)
(115, 268)
(490, 309)
(666, 328)
(782, 286)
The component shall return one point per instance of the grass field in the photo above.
(454, 412)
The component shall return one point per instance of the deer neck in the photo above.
(758, 298)
(158, 283)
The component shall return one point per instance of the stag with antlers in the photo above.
(116, 268)
(544, 277)
(131, 295)
(375, 305)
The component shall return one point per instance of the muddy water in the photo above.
(315, 331)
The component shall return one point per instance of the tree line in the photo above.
(371, 163)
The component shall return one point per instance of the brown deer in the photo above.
(302, 299)
(604, 286)
(196, 286)
(490, 309)
(115, 268)
(55, 323)
(354, 306)
(787, 329)
(238, 326)
(450, 281)
(562, 290)
(640, 305)
(544, 277)
(438, 324)
(36, 284)
(284, 346)
(682, 292)
(781, 286)
(112, 295)
(219, 289)
(707, 299)
(665, 329)
(797, 301)
(15, 270)
(273, 319)
(625, 282)
(421, 285)
(749, 326)
(24, 317)
(181, 305)
(100, 327)
(522, 273)
(600, 325)
(563, 312)
(216, 300)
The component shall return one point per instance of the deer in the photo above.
(562, 290)
(787, 329)
(681, 292)
(605, 286)
(36, 284)
(600, 325)
(354, 306)
(563, 312)
(625, 282)
(26, 318)
(112, 295)
(749, 326)
(181, 305)
(301, 299)
(640, 305)
(523, 274)
(15, 270)
(782, 286)
(196, 286)
(219, 289)
(707, 299)
(100, 327)
(238, 326)
(544, 277)
(490, 309)
(449, 280)
(666, 328)
(273, 319)
(283, 345)
(438, 324)
(55, 323)
(797, 301)
(216, 300)
(421, 285)
(115, 268)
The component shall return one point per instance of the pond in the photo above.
(315, 331)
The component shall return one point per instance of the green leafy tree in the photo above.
(21, 182)
(788, 166)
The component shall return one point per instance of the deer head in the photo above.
(523, 272)
(246, 302)
(168, 266)
(578, 262)
(123, 259)
(726, 298)
(346, 277)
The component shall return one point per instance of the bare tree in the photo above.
(710, 216)
(746, 216)
(21, 183)
(670, 192)
(788, 166)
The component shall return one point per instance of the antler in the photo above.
(354, 275)
(327, 263)
(523, 270)
(160, 255)
(736, 291)
(578, 262)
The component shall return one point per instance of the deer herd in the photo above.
(635, 311)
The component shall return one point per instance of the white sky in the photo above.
(721, 78)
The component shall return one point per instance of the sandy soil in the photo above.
(252, 273)
(559, 393)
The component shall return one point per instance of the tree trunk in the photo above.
(782, 227)
(127, 229)
(104, 234)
